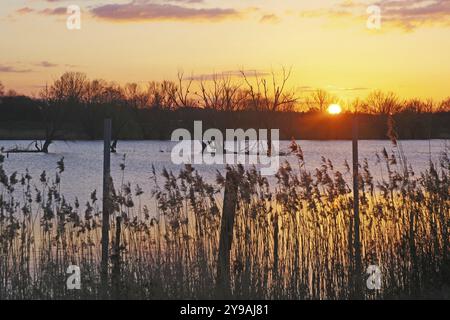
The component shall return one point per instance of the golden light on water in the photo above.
(334, 109)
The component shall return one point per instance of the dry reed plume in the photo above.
(292, 240)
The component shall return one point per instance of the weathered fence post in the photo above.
(106, 206)
(356, 221)
(223, 286)
(116, 259)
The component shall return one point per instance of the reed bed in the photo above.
(291, 240)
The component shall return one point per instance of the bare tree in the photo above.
(221, 94)
(379, 102)
(181, 94)
(156, 95)
(56, 101)
(95, 91)
(232, 95)
(320, 100)
(91, 114)
(417, 106)
(444, 105)
(52, 118)
(69, 88)
(11, 93)
(254, 91)
(429, 106)
(270, 96)
(169, 90)
(211, 95)
(54, 104)
(153, 100)
(135, 96)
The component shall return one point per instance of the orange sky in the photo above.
(326, 42)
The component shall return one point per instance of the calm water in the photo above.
(83, 160)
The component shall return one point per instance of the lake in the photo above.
(83, 160)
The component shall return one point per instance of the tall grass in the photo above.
(292, 240)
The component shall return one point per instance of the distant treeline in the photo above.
(26, 122)
(74, 107)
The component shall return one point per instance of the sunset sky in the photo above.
(326, 42)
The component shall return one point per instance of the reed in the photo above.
(292, 240)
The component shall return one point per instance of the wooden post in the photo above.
(356, 221)
(116, 260)
(106, 206)
(223, 287)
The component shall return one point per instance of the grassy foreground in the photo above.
(292, 240)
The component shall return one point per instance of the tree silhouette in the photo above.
(379, 102)
(270, 96)
(320, 100)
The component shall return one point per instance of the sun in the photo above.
(334, 109)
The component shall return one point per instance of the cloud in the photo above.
(54, 11)
(24, 10)
(54, 1)
(187, 1)
(270, 18)
(146, 10)
(306, 89)
(21, 67)
(11, 69)
(333, 88)
(72, 66)
(410, 14)
(46, 64)
(47, 11)
(330, 88)
(405, 14)
(228, 74)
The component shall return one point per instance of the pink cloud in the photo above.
(144, 10)
(405, 14)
